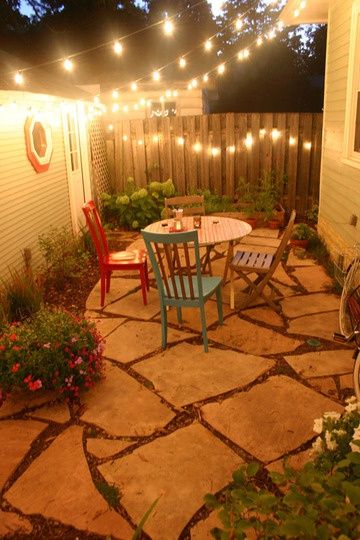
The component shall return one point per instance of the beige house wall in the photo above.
(31, 202)
(340, 183)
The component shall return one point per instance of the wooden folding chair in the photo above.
(192, 205)
(262, 264)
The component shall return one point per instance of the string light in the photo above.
(208, 45)
(167, 93)
(197, 147)
(19, 78)
(68, 65)
(134, 86)
(182, 62)
(115, 94)
(271, 34)
(249, 141)
(262, 132)
(125, 138)
(168, 28)
(275, 134)
(181, 141)
(292, 141)
(118, 48)
(215, 151)
(221, 69)
(259, 41)
(126, 109)
(307, 145)
(156, 76)
(205, 78)
(140, 142)
(303, 4)
(296, 13)
(194, 83)
(156, 138)
(115, 107)
(239, 24)
(175, 93)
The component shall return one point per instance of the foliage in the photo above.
(263, 196)
(217, 203)
(321, 500)
(303, 232)
(312, 214)
(20, 296)
(137, 207)
(64, 254)
(110, 492)
(53, 350)
(139, 528)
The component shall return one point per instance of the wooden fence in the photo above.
(215, 151)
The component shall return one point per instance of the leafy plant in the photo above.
(137, 207)
(303, 232)
(313, 213)
(64, 255)
(216, 203)
(53, 350)
(20, 296)
(321, 500)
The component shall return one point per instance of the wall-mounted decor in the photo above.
(38, 140)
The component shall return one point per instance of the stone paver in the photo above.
(260, 241)
(281, 275)
(66, 492)
(182, 466)
(186, 373)
(266, 233)
(201, 531)
(119, 287)
(103, 448)
(106, 325)
(295, 260)
(321, 325)
(132, 306)
(322, 363)
(11, 523)
(191, 316)
(296, 461)
(21, 401)
(252, 338)
(308, 304)
(57, 412)
(271, 419)
(265, 315)
(313, 279)
(123, 407)
(325, 385)
(133, 340)
(16, 437)
(347, 381)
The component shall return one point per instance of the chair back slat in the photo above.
(96, 230)
(172, 269)
(192, 205)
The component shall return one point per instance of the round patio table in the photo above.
(214, 230)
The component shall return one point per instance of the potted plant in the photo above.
(274, 222)
(301, 235)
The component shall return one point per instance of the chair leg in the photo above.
(163, 326)
(232, 294)
(143, 283)
(203, 324)
(179, 314)
(147, 276)
(219, 304)
(108, 278)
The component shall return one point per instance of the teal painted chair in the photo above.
(169, 255)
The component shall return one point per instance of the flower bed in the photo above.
(52, 351)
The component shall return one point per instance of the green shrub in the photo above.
(53, 350)
(303, 232)
(217, 203)
(64, 255)
(20, 296)
(136, 207)
(321, 500)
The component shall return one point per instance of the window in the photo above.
(352, 124)
(166, 108)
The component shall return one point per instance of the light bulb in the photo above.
(307, 145)
(215, 151)
(155, 138)
(115, 94)
(68, 65)
(259, 41)
(168, 93)
(292, 141)
(208, 45)
(18, 78)
(175, 93)
(180, 141)
(118, 48)
(221, 69)
(205, 78)
(125, 109)
(231, 149)
(134, 86)
(271, 34)
(140, 142)
(182, 62)
(142, 102)
(262, 132)
(239, 24)
(302, 4)
(249, 141)
(115, 107)
(296, 13)
(168, 28)
(197, 147)
(194, 83)
(156, 76)
(275, 134)
(111, 127)
(246, 53)
(125, 138)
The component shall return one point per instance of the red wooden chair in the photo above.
(118, 260)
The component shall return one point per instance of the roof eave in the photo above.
(315, 12)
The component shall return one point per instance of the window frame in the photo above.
(351, 156)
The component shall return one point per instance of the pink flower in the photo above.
(47, 345)
(79, 360)
(27, 379)
(74, 340)
(15, 367)
(35, 385)
(16, 348)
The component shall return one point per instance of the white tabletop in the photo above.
(214, 230)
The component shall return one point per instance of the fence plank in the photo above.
(173, 154)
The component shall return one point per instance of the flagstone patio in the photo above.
(174, 424)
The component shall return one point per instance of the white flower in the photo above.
(317, 445)
(333, 415)
(356, 435)
(318, 425)
(351, 407)
(339, 432)
(330, 443)
(351, 399)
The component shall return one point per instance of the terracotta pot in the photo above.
(251, 221)
(274, 224)
(299, 243)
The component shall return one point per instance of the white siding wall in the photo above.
(30, 202)
(340, 183)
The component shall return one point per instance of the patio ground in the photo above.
(175, 423)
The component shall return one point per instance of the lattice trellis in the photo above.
(100, 168)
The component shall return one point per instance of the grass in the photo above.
(110, 493)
